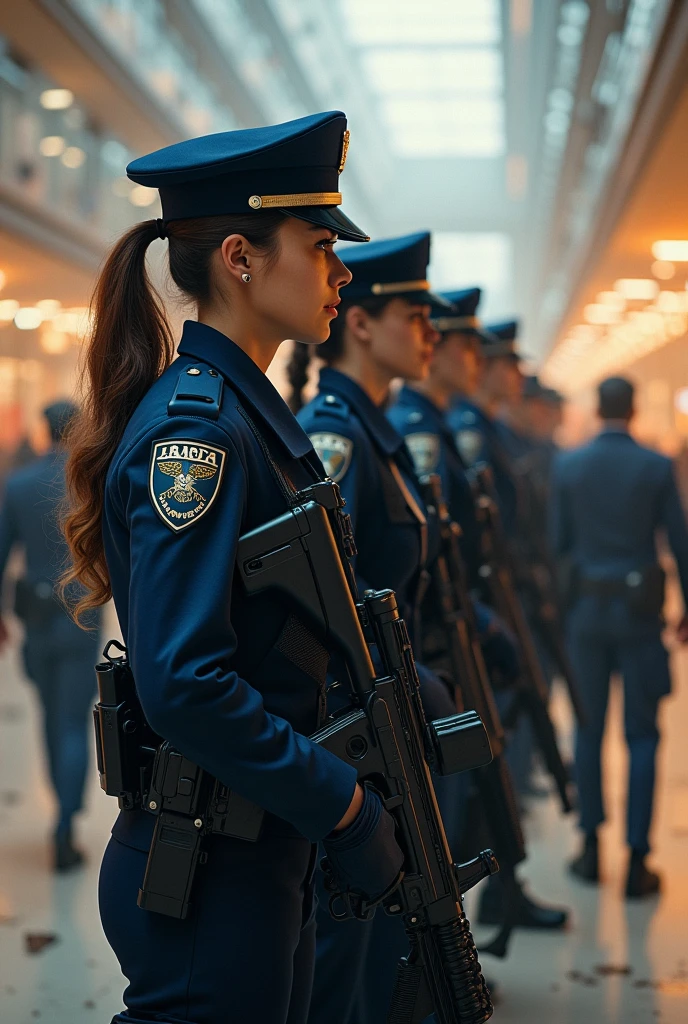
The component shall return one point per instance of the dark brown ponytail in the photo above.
(130, 345)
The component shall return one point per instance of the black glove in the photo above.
(365, 857)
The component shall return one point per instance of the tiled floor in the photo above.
(616, 963)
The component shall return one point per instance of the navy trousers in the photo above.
(244, 953)
(642, 661)
(63, 673)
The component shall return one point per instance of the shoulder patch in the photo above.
(414, 417)
(334, 451)
(184, 479)
(468, 417)
(469, 443)
(425, 452)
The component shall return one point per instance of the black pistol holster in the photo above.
(147, 773)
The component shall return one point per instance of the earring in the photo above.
(246, 278)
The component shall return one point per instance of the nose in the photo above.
(341, 275)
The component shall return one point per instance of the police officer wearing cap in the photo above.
(609, 500)
(492, 378)
(58, 656)
(382, 332)
(170, 464)
(419, 414)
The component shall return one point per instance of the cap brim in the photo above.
(330, 217)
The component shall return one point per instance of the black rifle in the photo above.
(497, 573)
(449, 608)
(385, 736)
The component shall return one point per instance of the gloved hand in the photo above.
(365, 858)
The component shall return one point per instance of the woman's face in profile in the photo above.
(296, 291)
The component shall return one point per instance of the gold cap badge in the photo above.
(345, 149)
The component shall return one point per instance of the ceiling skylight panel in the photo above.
(407, 71)
(375, 22)
(448, 127)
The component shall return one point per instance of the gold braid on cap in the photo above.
(296, 199)
(394, 288)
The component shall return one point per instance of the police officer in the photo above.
(419, 414)
(382, 333)
(610, 498)
(58, 656)
(169, 466)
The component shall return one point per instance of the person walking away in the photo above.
(58, 655)
(609, 500)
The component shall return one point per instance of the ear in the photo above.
(357, 322)
(236, 254)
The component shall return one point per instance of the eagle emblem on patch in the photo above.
(425, 452)
(334, 451)
(184, 480)
(469, 443)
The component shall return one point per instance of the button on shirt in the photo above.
(206, 658)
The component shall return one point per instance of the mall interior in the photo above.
(544, 144)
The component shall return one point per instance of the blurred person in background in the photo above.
(58, 655)
(609, 500)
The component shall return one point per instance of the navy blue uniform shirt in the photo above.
(609, 499)
(433, 450)
(210, 663)
(362, 452)
(478, 440)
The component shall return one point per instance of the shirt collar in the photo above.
(614, 427)
(372, 416)
(205, 343)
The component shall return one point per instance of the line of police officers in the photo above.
(464, 404)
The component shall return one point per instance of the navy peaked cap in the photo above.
(500, 340)
(394, 267)
(293, 167)
(505, 330)
(462, 316)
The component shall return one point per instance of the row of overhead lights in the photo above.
(60, 327)
(633, 318)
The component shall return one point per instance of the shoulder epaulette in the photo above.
(327, 404)
(198, 393)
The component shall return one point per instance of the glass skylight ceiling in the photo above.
(437, 72)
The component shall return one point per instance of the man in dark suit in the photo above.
(59, 657)
(609, 500)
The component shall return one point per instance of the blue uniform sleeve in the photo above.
(674, 520)
(9, 533)
(181, 639)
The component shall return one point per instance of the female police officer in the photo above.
(383, 332)
(170, 465)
